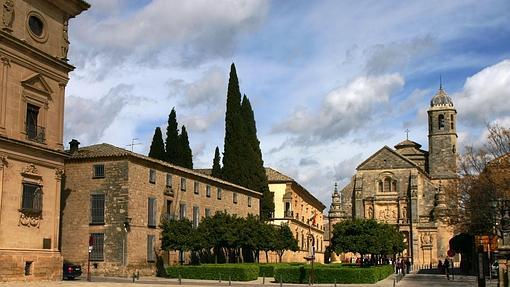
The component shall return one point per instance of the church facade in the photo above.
(406, 186)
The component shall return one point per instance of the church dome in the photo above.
(441, 99)
(407, 143)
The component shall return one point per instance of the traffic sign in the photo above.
(451, 253)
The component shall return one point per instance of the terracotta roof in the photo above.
(105, 150)
(274, 175)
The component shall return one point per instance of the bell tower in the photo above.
(442, 137)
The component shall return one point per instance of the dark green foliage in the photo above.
(284, 240)
(242, 158)
(172, 139)
(185, 154)
(233, 169)
(234, 272)
(257, 179)
(177, 234)
(157, 149)
(366, 237)
(332, 273)
(216, 167)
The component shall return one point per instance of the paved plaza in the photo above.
(411, 280)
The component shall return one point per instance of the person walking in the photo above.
(446, 266)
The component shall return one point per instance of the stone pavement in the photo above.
(410, 280)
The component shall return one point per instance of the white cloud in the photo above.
(343, 110)
(87, 119)
(163, 32)
(485, 95)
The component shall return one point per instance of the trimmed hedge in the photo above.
(332, 273)
(236, 272)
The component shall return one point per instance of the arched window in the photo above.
(454, 150)
(451, 122)
(441, 122)
(387, 184)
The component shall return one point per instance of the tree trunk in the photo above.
(267, 258)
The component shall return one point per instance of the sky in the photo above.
(330, 82)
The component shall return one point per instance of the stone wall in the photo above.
(128, 188)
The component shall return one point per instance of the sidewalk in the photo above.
(157, 282)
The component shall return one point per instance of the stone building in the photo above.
(33, 75)
(118, 198)
(297, 207)
(406, 186)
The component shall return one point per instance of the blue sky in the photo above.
(330, 82)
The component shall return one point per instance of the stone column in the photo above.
(6, 63)
(3, 164)
(58, 187)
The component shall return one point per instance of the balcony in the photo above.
(35, 133)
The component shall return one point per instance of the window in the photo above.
(97, 208)
(169, 213)
(441, 122)
(394, 186)
(36, 25)
(151, 253)
(169, 180)
(451, 122)
(234, 197)
(196, 187)
(218, 196)
(151, 212)
(97, 253)
(208, 190)
(182, 210)
(454, 150)
(32, 198)
(249, 202)
(387, 184)
(28, 268)
(207, 212)
(98, 171)
(152, 175)
(196, 216)
(380, 186)
(33, 131)
(183, 184)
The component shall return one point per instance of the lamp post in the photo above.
(91, 244)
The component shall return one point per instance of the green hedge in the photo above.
(331, 274)
(234, 272)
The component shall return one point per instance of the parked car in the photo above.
(71, 271)
(495, 270)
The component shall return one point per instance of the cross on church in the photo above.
(407, 133)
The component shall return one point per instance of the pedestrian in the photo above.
(440, 267)
(446, 265)
(408, 265)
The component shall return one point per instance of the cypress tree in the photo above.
(255, 165)
(216, 168)
(172, 139)
(233, 147)
(157, 149)
(185, 154)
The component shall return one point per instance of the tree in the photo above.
(366, 236)
(476, 202)
(177, 235)
(233, 163)
(216, 167)
(284, 240)
(257, 178)
(157, 149)
(172, 139)
(185, 154)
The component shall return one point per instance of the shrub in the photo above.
(236, 272)
(331, 274)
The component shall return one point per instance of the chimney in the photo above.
(74, 144)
